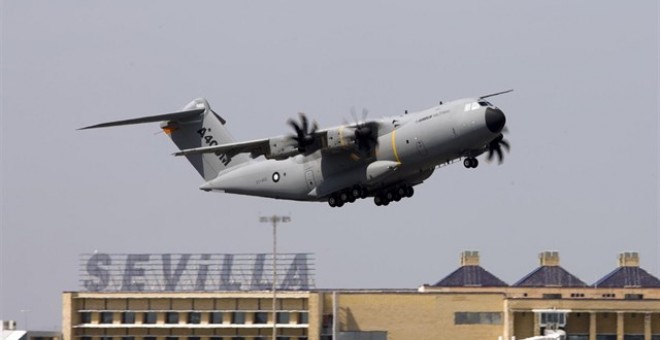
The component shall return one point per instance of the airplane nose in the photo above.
(495, 119)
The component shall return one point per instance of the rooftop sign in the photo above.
(101, 272)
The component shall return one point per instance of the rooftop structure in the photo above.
(470, 274)
(550, 274)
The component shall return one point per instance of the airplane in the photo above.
(380, 158)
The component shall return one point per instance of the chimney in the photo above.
(549, 258)
(470, 258)
(629, 259)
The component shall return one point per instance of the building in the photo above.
(469, 303)
(9, 331)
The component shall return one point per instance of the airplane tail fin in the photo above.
(193, 127)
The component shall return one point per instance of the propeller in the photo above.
(366, 136)
(303, 136)
(495, 147)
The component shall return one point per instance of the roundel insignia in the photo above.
(276, 177)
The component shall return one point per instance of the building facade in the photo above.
(469, 303)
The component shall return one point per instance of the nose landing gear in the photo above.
(470, 162)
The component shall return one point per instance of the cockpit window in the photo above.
(485, 103)
(471, 106)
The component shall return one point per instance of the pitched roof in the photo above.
(628, 277)
(550, 276)
(474, 276)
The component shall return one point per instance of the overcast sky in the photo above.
(581, 177)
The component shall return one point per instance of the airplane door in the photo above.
(309, 178)
(420, 147)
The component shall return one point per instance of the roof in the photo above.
(550, 276)
(473, 276)
(628, 277)
(13, 335)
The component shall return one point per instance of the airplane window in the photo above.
(484, 103)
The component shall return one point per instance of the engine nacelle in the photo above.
(341, 137)
(282, 147)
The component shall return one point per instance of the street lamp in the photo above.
(274, 220)
(26, 313)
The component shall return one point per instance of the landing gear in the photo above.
(381, 198)
(395, 194)
(347, 196)
(332, 201)
(470, 162)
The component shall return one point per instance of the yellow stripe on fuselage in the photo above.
(396, 154)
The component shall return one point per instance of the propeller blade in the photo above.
(506, 145)
(354, 114)
(295, 126)
(303, 119)
(490, 154)
(500, 156)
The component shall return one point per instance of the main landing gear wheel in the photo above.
(393, 194)
(470, 162)
(349, 195)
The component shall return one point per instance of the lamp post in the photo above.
(26, 313)
(274, 220)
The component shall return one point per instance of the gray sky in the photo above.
(581, 178)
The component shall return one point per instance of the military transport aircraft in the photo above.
(381, 158)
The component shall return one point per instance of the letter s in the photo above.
(94, 269)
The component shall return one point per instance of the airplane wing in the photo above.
(363, 136)
(255, 147)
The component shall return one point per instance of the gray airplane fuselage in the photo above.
(416, 143)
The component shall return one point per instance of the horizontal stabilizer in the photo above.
(181, 115)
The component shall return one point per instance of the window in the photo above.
(606, 337)
(194, 317)
(283, 317)
(149, 338)
(478, 318)
(634, 296)
(106, 317)
(85, 338)
(149, 317)
(128, 317)
(106, 338)
(552, 296)
(216, 338)
(172, 317)
(238, 318)
(303, 318)
(484, 103)
(552, 319)
(85, 317)
(194, 338)
(171, 338)
(283, 338)
(215, 317)
(609, 295)
(326, 324)
(260, 317)
(128, 338)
